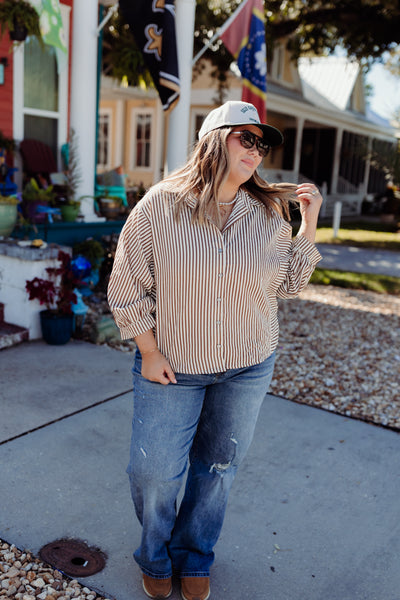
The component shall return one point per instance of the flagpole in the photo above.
(219, 32)
(178, 129)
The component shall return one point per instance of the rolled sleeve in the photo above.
(303, 258)
(131, 286)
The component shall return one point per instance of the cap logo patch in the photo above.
(247, 108)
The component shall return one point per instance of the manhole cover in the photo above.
(73, 557)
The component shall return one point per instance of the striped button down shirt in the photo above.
(210, 296)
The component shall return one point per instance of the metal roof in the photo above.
(328, 80)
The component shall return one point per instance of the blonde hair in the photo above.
(206, 171)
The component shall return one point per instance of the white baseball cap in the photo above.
(239, 113)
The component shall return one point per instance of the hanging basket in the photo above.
(19, 33)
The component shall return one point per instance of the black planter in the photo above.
(56, 329)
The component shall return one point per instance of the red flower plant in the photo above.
(57, 293)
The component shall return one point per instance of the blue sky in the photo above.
(385, 99)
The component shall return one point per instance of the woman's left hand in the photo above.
(310, 203)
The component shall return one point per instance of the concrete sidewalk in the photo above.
(313, 515)
(359, 260)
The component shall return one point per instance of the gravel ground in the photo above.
(339, 350)
(24, 577)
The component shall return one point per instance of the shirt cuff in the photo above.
(304, 246)
(134, 329)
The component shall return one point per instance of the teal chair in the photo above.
(109, 183)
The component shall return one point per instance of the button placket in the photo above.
(221, 267)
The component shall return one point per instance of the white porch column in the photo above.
(83, 97)
(367, 166)
(336, 160)
(297, 148)
(178, 127)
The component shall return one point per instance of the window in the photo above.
(142, 140)
(104, 139)
(196, 123)
(277, 64)
(41, 100)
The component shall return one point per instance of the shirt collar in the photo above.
(243, 200)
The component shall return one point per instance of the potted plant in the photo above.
(92, 250)
(70, 210)
(111, 206)
(57, 294)
(33, 197)
(70, 206)
(8, 214)
(20, 19)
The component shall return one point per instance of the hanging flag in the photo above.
(244, 37)
(51, 28)
(152, 23)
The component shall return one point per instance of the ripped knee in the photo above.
(221, 468)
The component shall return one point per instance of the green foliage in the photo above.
(365, 28)
(90, 249)
(121, 57)
(361, 237)
(73, 172)
(381, 284)
(33, 193)
(19, 13)
(384, 156)
(210, 16)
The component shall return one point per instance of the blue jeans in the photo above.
(210, 420)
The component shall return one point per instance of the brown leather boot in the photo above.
(157, 588)
(195, 588)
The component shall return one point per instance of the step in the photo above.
(10, 335)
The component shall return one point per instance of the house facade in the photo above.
(35, 96)
(318, 104)
(43, 98)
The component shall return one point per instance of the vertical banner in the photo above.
(152, 23)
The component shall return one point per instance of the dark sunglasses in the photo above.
(249, 140)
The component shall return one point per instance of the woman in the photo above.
(200, 263)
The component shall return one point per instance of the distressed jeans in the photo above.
(207, 421)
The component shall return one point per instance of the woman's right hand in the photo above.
(155, 367)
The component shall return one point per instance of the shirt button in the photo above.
(220, 275)
(218, 322)
(219, 299)
(219, 346)
(220, 250)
